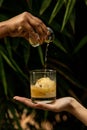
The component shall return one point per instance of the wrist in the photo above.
(72, 105)
(78, 110)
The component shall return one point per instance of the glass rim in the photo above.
(42, 70)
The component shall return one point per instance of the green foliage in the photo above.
(65, 54)
(56, 9)
(81, 44)
(44, 6)
(1, 2)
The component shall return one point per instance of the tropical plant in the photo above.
(66, 54)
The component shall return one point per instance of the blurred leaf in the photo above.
(58, 63)
(59, 45)
(41, 55)
(45, 115)
(81, 44)
(26, 51)
(56, 9)
(85, 2)
(8, 46)
(7, 59)
(2, 75)
(72, 21)
(1, 1)
(56, 27)
(45, 5)
(13, 65)
(69, 9)
(18, 70)
(67, 76)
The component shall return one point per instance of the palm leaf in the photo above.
(8, 47)
(13, 64)
(2, 75)
(18, 70)
(7, 60)
(1, 1)
(44, 6)
(69, 9)
(41, 55)
(56, 9)
(81, 44)
(85, 2)
(59, 45)
(67, 76)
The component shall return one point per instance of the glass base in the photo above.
(43, 100)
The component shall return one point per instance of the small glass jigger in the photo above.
(49, 39)
(43, 86)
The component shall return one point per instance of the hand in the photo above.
(26, 25)
(68, 104)
(62, 104)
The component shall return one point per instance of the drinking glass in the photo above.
(43, 85)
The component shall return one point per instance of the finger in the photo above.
(25, 101)
(39, 23)
(39, 27)
(28, 32)
(45, 106)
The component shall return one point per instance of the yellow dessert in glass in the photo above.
(43, 88)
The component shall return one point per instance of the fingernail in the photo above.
(14, 97)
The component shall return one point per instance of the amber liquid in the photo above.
(44, 94)
(38, 96)
(43, 100)
(46, 53)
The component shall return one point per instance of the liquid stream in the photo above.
(46, 55)
(44, 94)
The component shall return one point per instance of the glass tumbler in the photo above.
(43, 86)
